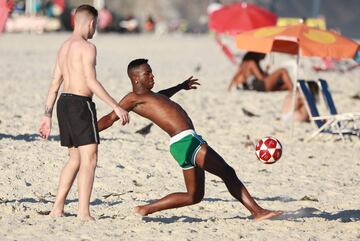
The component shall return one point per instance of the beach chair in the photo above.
(338, 124)
(330, 104)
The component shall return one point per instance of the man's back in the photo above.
(71, 57)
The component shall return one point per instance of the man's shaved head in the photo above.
(85, 20)
(84, 13)
(87, 9)
(133, 65)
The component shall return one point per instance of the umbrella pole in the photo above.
(293, 99)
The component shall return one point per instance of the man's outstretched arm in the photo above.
(107, 121)
(188, 84)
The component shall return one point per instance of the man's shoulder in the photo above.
(87, 49)
(131, 99)
(134, 97)
(79, 44)
(128, 97)
(88, 46)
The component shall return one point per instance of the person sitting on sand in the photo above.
(252, 77)
(188, 148)
(301, 113)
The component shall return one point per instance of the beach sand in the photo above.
(315, 183)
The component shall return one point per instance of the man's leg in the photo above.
(212, 162)
(88, 159)
(272, 80)
(194, 181)
(67, 177)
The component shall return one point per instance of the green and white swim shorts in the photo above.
(184, 148)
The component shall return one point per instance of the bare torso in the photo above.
(70, 60)
(165, 113)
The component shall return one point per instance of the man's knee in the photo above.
(88, 152)
(74, 156)
(195, 198)
(89, 158)
(93, 159)
(74, 161)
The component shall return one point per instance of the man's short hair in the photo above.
(88, 9)
(136, 63)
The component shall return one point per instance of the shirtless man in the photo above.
(192, 153)
(75, 66)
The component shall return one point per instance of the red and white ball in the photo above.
(268, 150)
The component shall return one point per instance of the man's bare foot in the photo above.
(56, 213)
(86, 218)
(139, 210)
(266, 214)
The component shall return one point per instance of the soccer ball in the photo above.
(268, 150)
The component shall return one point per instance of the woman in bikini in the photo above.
(252, 77)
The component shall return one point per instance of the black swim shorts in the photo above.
(77, 120)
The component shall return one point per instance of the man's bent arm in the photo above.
(107, 121)
(89, 61)
(188, 84)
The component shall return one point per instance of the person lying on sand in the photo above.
(188, 148)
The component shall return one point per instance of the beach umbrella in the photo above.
(240, 17)
(225, 49)
(4, 13)
(299, 40)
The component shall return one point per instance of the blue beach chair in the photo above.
(341, 124)
(323, 85)
(330, 104)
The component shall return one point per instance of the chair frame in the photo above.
(334, 123)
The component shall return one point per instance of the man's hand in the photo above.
(45, 127)
(122, 114)
(190, 83)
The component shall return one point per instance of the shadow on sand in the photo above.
(173, 219)
(344, 216)
(36, 137)
(276, 198)
(27, 137)
(43, 200)
(308, 212)
(284, 199)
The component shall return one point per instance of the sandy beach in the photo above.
(315, 183)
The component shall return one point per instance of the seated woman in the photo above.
(301, 113)
(252, 77)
